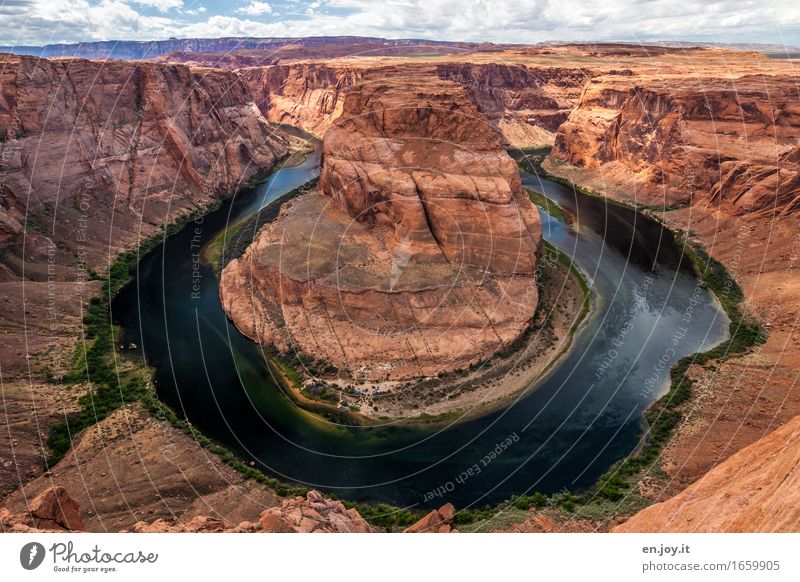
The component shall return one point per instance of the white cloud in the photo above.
(255, 8)
(517, 21)
(49, 21)
(160, 5)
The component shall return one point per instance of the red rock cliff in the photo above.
(308, 96)
(526, 104)
(418, 253)
(690, 138)
(108, 152)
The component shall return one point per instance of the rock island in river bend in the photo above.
(415, 256)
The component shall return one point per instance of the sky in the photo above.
(36, 22)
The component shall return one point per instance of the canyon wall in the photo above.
(95, 155)
(527, 105)
(769, 187)
(420, 231)
(309, 96)
(718, 138)
(693, 138)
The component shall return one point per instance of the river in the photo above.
(649, 311)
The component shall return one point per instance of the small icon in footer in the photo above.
(31, 555)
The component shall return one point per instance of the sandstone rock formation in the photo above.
(305, 95)
(312, 514)
(755, 490)
(440, 520)
(55, 505)
(199, 524)
(772, 188)
(526, 104)
(98, 155)
(55, 510)
(52, 510)
(418, 253)
(94, 157)
(675, 139)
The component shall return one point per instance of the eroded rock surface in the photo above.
(98, 155)
(755, 490)
(312, 514)
(94, 158)
(526, 104)
(440, 520)
(418, 253)
(681, 139)
(306, 95)
(52, 510)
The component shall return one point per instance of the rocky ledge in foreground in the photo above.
(755, 490)
(416, 255)
(54, 510)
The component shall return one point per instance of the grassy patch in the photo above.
(548, 206)
(553, 253)
(111, 384)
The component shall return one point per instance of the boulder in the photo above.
(440, 520)
(55, 507)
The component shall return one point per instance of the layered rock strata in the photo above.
(676, 139)
(96, 155)
(305, 95)
(524, 104)
(418, 253)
